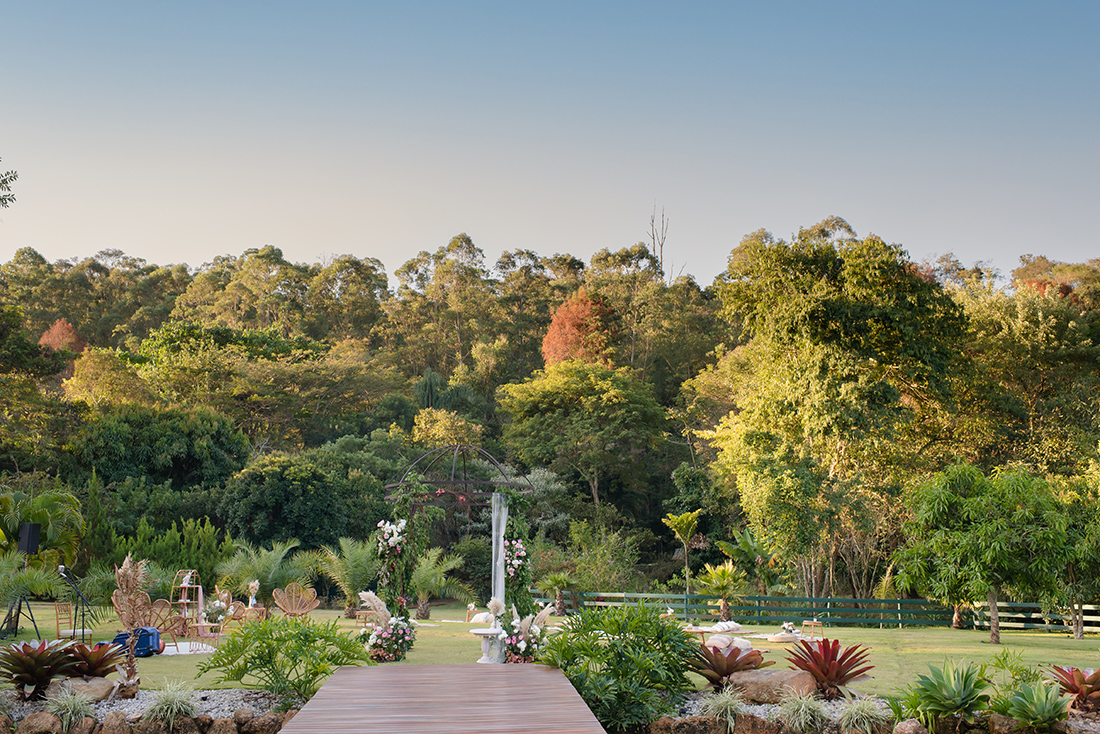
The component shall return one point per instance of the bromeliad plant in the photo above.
(832, 667)
(717, 664)
(94, 662)
(1083, 686)
(33, 665)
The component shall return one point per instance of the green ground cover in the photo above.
(898, 655)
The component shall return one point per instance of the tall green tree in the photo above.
(580, 417)
(971, 537)
(849, 346)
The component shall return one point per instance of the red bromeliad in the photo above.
(833, 668)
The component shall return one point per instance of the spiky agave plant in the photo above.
(33, 665)
(832, 667)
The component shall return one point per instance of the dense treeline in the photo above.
(796, 397)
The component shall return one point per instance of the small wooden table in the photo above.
(812, 624)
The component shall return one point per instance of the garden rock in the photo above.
(86, 725)
(687, 725)
(909, 726)
(222, 726)
(243, 716)
(115, 723)
(40, 722)
(6, 724)
(96, 689)
(1001, 724)
(772, 686)
(269, 723)
(203, 722)
(749, 724)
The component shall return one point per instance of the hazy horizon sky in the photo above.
(178, 132)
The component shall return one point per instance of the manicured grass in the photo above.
(898, 655)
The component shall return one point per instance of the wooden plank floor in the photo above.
(456, 699)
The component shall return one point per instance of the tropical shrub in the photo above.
(628, 664)
(33, 665)
(803, 714)
(284, 656)
(833, 668)
(390, 642)
(1037, 707)
(949, 692)
(1082, 685)
(717, 664)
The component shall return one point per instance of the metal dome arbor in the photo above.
(441, 478)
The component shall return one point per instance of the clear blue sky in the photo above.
(177, 132)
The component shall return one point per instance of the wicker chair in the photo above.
(296, 601)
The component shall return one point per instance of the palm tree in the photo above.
(273, 567)
(557, 584)
(352, 567)
(683, 527)
(430, 578)
(17, 581)
(726, 582)
(35, 498)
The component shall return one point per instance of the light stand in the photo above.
(15, 611)
(81, 602)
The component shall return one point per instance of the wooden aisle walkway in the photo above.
(451, 699)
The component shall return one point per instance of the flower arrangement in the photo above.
(524, 638)
(389, 642)
(391, 541)
(788, 628)
(215, 611)
(515, 556)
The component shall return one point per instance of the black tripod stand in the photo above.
(19, 608)
(80, 602)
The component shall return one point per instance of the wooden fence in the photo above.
(774, 610)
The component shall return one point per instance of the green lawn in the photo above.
(898, 655)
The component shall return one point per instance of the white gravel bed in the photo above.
(217, 703)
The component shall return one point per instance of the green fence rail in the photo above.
(838, 611)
